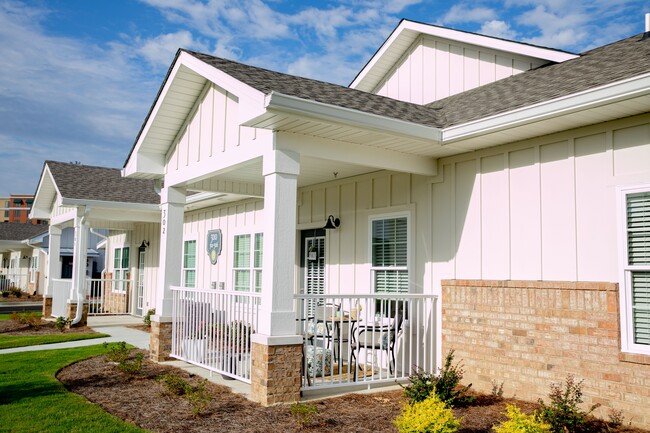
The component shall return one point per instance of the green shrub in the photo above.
(16, 292)
(428, 416)
(446, 385)
(147, 317)
(303, 413)
(116, 352)
(61, 323)
(521, 423)
(133, 366)
(173, 384)
(5, 294)
(563, 413)
(198, 397)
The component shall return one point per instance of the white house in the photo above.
(21, 262)
(479, 194)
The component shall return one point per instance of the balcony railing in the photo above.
(106, 296)
(60, 289)
(365, 339)
(18, 280)
(212, 329)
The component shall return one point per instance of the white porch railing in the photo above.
(18, 280)
(212, 329)
(365, 339)
(60, 290)
(108, 296)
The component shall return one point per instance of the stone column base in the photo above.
(160, 340)
(276, 374)
(72, 312)
(47, 306)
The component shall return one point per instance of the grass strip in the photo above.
(10, 341)
(7, 316)
(33, 400)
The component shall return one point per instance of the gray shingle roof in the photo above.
(604, 65)
(268, 81)
(20, 232)
(100, 183)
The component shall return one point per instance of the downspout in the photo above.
(80, 293)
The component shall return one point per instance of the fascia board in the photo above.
(318, 110)
(44, 211)
(464, 37)
(74, 202)
(592, 98)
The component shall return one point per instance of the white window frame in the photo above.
(33, 267)
(185, 270)
(625, 274)
(255, 272)
(125, 273)
(409, 239)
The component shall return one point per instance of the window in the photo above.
(121, 268)
(635, 296)
(389, 250)
(189, 264)
(248, 273)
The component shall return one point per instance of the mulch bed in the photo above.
(24, 298)
(10, 327)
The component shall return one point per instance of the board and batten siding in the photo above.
(354, 201)
(244, 217)
(211, 134)
(544, 209)
(434, 69)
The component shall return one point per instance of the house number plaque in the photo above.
(214, 245)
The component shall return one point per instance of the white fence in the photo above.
(18, 280)
(60, 289)
(212, 329)
(108, 296)
(365, 339)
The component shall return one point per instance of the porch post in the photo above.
(276, 347)
(53, 267)
(79, 266)
(169, 270)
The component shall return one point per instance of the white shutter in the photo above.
(638, 244)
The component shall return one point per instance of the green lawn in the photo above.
(9, 341)
(7, 316)
(32, 400)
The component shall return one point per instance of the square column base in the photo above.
(276, 376)
(47, 306)
(160, 341)
(72, 312)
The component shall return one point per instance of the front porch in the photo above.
(347, 340)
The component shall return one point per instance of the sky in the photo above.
(77, 77)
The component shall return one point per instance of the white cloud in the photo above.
(160, 50)
(468, 14)
(499, 29)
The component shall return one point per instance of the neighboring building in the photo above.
(21, 263)
(15, 209)
(510, 182)
(5, 204)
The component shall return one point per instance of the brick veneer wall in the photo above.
(529, 334)
(47, 305)
(276, 374)
(72, 313)
(160, 341)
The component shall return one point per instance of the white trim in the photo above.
(109, 204)
(307, 108)
(409, 246)
(407, 26)
(591, 98)
(625, 302)
(193, 237)
(121, 247)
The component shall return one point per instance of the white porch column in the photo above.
(79, 255)
(172, 204)
(171, 247)
(277, 316)
(53, 258)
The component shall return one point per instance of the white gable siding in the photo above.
(540, 210)
(211, 134)
(436, 68)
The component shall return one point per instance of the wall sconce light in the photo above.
(143, 246)
(332, 223)
(25, 257)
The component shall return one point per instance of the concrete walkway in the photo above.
(117, 328)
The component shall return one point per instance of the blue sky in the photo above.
(78, 76)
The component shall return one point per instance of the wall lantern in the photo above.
(332, 223)
(143, 246)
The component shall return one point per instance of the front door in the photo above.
(312, 264)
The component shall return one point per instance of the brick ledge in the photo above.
(530, 284)
(634, 358)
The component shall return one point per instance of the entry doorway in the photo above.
(312, 264)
